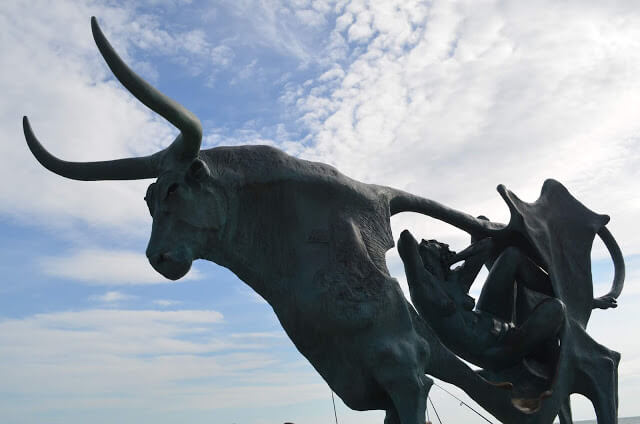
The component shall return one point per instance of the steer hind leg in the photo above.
(598, 382)
(597, 376)
(564, 413)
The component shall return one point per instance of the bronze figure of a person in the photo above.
(486, 335)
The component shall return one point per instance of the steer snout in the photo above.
(171, 264)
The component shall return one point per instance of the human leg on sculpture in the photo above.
(483, 337)
(498, 291)
(497, 299)
(544, 323)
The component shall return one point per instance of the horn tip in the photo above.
(95, 28)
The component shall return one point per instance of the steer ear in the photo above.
(198, 170)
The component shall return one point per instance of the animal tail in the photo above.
(400, 201)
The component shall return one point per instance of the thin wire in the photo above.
(434, 410)
(461, 402)
(334, 406)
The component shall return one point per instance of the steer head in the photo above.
(187, 206)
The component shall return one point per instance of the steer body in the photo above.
(312, 243)
(308, 239)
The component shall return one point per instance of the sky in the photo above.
(445, 99)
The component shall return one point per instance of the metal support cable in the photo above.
(434, 410)
(461, 402)
(335, 414)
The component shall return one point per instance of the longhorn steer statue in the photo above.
(310, 241)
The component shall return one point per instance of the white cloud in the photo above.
(449, 100)
(439, 98)
(222, 55)
(165, 303)
(194, 41)
(110, 332)
(333, 73)
(294, 29)
(360, 30)
(246, 72)
(162, 360)
(107, 267)
(632, 280)
(111, 297)
(189, 48)
(310, 17)
(54, 74)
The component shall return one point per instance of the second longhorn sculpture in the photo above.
(312, 243)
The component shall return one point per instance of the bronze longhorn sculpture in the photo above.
(312, 243)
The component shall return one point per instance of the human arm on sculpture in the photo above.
(474, 257)
(424, 287)
(609, 300)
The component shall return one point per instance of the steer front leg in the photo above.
(408, 394)
(400, 372)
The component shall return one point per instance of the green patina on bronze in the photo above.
(312, 242)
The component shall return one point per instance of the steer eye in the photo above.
(172, 189)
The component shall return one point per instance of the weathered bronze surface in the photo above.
(312, 243)
(529, 326)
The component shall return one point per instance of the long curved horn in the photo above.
(120, 169)
(188, 145)
(185, 146)
(618, 261)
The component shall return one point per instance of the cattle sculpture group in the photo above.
(312, 243)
